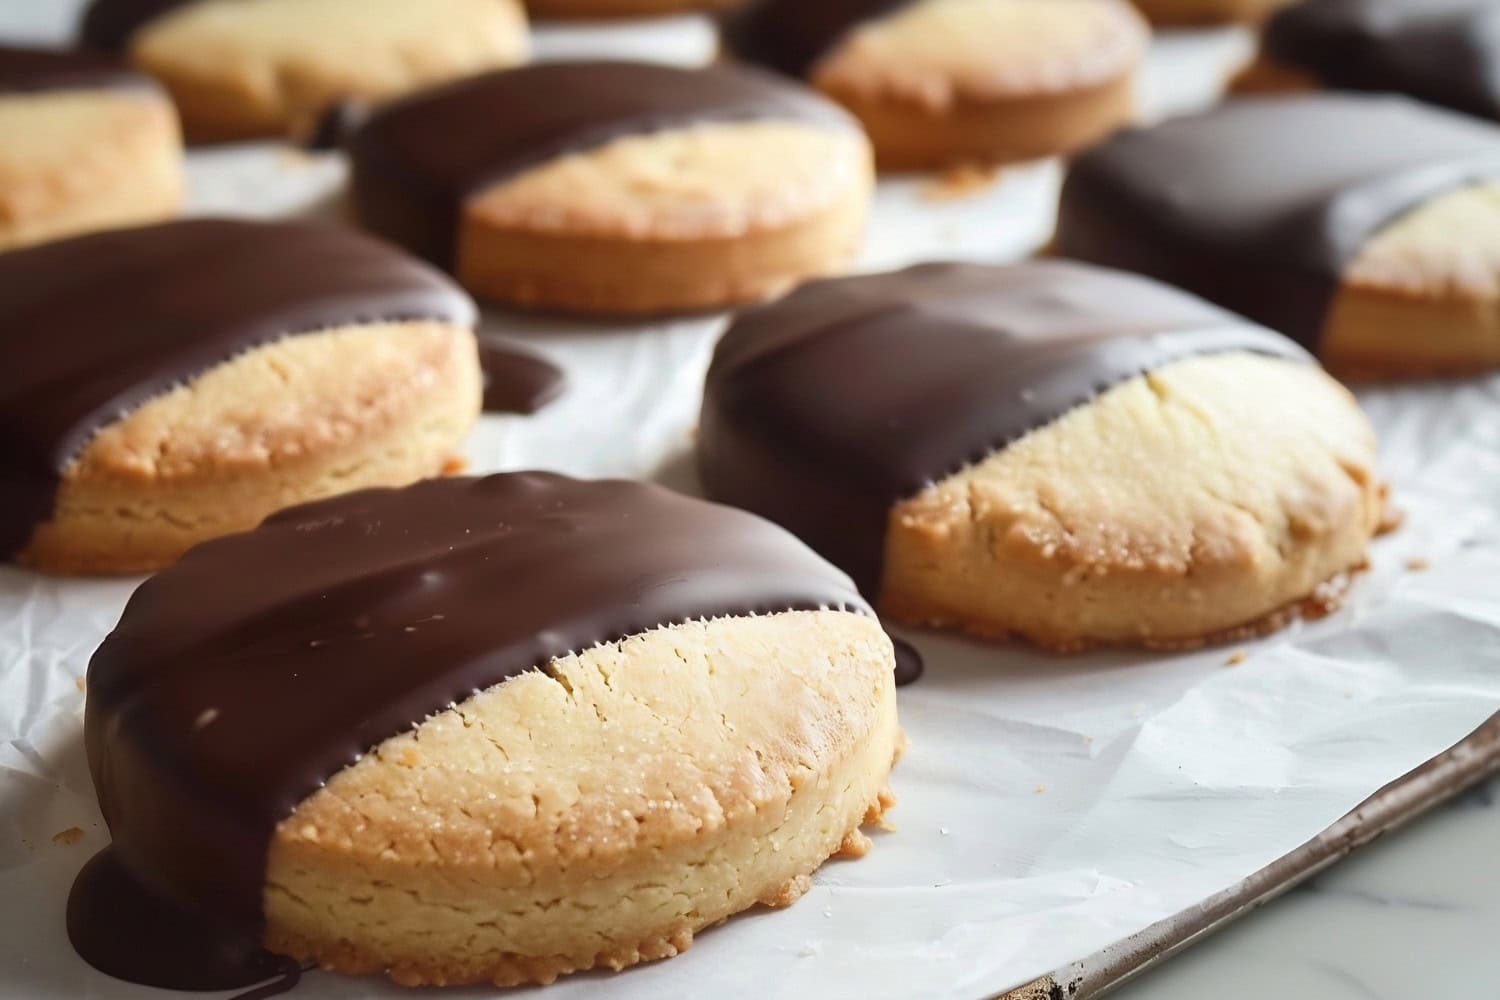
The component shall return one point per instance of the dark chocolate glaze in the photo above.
(792, 35)
(107, 25)
(28, 70)
(823, 410)
(259, 665)
(415, 162)
(93, 326)
(517, 381)
(1262, 203)
(1441, 51)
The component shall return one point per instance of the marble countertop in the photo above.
(1413, 915)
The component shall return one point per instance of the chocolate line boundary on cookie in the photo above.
(33, 70)
(107, 25)
(97, 325)
(245, 676)
(1270, 241)
(790, 36)
(417, 161)
(825, 409)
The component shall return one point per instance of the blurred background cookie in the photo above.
(1194, 13)
(88, 144)
(1364, 227)
(490, 730)
(941, 82)
(585, 9)
(978, 447)
(244, 68)
(166, 384)
(1442, 51)
(614, 187)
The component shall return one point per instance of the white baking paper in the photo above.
(1049, 806)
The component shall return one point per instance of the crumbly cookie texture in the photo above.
(78, 160)
(599, 812)
(296, 420)
(688, 218)
(1202, 502)
(945, 81)
(621, 8)
(273, 67)
(1423, 296)
(1200, 12)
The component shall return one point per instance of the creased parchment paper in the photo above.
(1048, 807)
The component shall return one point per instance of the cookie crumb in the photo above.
(1041, 789)
(1236, 658)
(960, 181)
(1391, 519)
(1417, 564)
(81, 684)
(454, 464)
(68, 837)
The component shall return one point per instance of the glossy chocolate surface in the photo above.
(107, 25)
(792, 35)
(24, 69)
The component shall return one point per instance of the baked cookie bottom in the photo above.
(1209, 501)
(293, 421)
(1197, 13)
(598, 813)
(681, 220)
(80, 160)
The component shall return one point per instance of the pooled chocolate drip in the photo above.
(28, 70)
(1262, 203)
(246, 675)
(92, 327)
(108, 25)
(791, 35)
(1442, 51)
(415, 162)
(909, 663)
(824, 409)
(517, 381)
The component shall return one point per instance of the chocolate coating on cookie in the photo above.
(823, 410)
(94, 326)
(1442, 51)
(1261, 204)
(242, 678)
(416, 162)
(108, 25)
(792, 35)
(30, 70)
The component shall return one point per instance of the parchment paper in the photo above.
(1048, 806)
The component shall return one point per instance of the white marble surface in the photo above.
(1414, 916)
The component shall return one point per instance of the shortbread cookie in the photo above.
(88, 145)
(568, 9)
(1195, 13)
(1364, 227)
(479, 730)
(166, 384)
(940, 82)
(978, 446)
(244, 68)
(1441, 51)
(617, 187)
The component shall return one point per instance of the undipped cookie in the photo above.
(1078, 456)
(477, 730)
(944, 82)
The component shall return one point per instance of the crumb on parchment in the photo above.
(68, 837)
(960, 181)
(1236, 658)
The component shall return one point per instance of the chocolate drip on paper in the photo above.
(30, 70)
(415, 162)
(517, 381)
(1262, 203)
(246, 675)
(92, 327)
(909, 663)
(108, 25)
(791, 35)
(823, 410)
(1442, 51)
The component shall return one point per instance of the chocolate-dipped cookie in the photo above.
(1367, 228)
(89, 144)
(1198, 13)
(591, 9)
(1078, 456)
(1444, 52)
(476, 730)
(944, 82)
(241, 69)
(617, 187)
(166, 384)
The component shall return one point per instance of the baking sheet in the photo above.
(1050, 808)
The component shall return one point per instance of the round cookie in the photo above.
(991, 456)
(246, 68)
(487, 730)
(1196, 13)
(88, 145)
(1363, 227)
(588, 9)
(1443, 52)
(167, 384)
(617, 187)
(944, 82)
